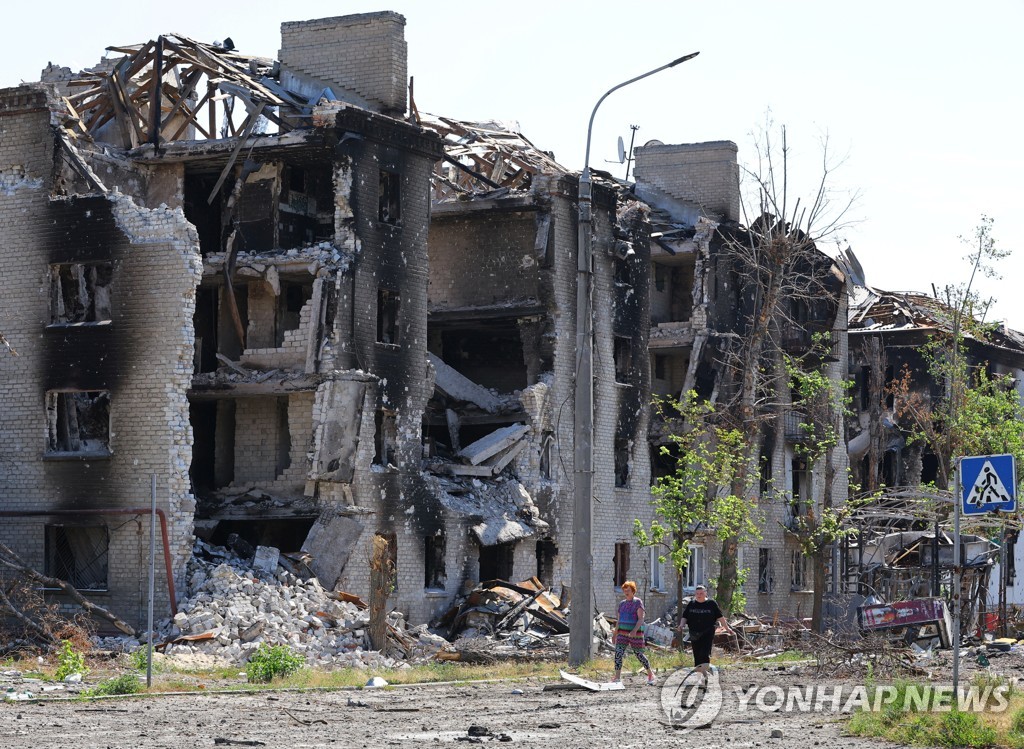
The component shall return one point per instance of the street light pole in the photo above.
(581, 614)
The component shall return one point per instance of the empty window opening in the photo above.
(490, 355)
(929, 468)
(206, 217)
(660, 367)
(78, 422)
(799, 579)
(890, 466)
(621, 563)
(660, 277)
(433, 562)
(800, 487)
(765, 469)
(213, 449)
(80, 293)
(623, 358)
(78, 555)
(546, 554)
(657, 570)
(890, 396)
(390, 198)
(292, 299)
(388, 302)
(865, 388)
(386, 437)
(496, 561)
(547, 448)
(306, 206)
(693, 572)
(764, 571)
(205, 322)
(621, 462)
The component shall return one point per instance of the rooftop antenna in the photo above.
(629, 156)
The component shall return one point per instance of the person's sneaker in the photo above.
(652, 681)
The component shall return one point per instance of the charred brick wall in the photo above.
(142, 357)
(481, 260)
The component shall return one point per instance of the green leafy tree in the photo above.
(824, 403)
(698, 493)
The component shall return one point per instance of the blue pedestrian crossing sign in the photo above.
(988, 483)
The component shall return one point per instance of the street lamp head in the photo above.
(684, 58)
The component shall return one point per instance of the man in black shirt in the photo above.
(701, 615)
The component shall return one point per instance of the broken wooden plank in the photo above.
(457, 386)
(493, 443)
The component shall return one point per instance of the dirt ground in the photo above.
(410, 716)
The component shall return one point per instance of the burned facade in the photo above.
(501, 332)
(318, 324)
(891, 374)
(702, 307)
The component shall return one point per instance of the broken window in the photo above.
(306, 205)
(693, 572)
(388, 302)
(547, 446)
(433, 561)
(660, 274)
(496, 561)
(623, 354)
(290, 302)
(386, 437)
(800, 487)
(80, 293)
(799, 571)
(621, 462)
(78, 422)
(78, 555)
(764, 571)
(621, 563)
(546, 553)
(660, 368)
(390, 194)
(765, 472)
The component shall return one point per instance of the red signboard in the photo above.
(901, 613)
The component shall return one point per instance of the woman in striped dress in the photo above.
(629, 631)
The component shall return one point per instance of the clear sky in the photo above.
(923, 101)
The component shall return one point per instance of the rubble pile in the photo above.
(234, 606)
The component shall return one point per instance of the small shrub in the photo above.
(123, 684)
(272, 661)
(69, 661)
(138, 659)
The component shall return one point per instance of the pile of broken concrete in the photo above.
(234, 606)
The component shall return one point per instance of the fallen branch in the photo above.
(16, 563)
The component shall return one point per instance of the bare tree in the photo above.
(784, 288)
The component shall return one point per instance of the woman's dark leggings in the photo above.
(620, 653)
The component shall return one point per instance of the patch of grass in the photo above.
(124, 684)
(926, 723)
(272, 661)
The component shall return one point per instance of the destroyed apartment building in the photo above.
(701, 311)
(911, 522)
(310, 320)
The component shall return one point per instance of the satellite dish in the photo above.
(622, 151)
(653, 143)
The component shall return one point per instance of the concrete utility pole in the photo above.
(581, 615)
